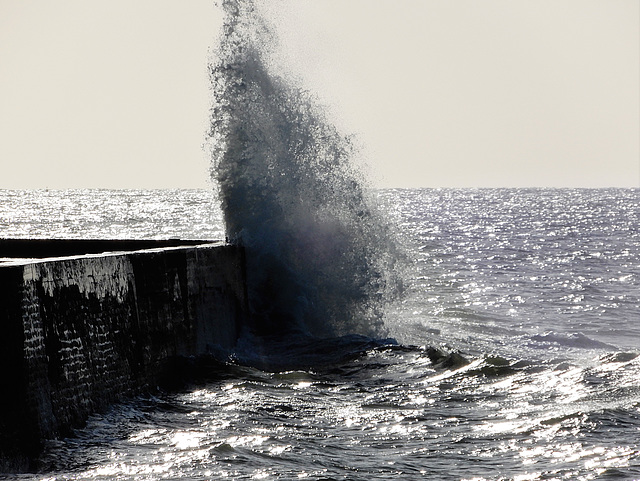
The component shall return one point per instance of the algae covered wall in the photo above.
(79, 333)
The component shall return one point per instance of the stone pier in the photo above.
(84, 324)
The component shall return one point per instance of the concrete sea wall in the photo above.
(79, 333)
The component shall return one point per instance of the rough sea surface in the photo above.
(537, 289)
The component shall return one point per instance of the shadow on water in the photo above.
(256, 355)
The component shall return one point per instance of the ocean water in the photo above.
(530, 296)
(108, 214)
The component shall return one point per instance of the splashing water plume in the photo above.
(319, 258)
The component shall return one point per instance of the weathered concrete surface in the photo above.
(79, 333)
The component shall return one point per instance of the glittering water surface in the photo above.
(109, 214)
(537, 289)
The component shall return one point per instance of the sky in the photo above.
(439, 93)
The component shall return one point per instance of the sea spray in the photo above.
(319, 258)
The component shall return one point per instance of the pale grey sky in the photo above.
(442, 93)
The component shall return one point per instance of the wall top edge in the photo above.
(23, 261)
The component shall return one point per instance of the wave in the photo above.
(306, 353)
(320, 259)
(577, 340)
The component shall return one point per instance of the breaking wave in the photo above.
(320, 260)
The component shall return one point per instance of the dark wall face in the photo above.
(79, 333)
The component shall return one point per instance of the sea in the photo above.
(512, 351)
